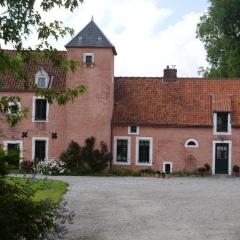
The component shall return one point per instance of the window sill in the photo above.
(144, 164)
(89, 65)
(121, 163)
(40, 121)
(223, 133)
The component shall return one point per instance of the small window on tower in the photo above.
(88, 59)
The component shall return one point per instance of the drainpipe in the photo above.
(111, 140)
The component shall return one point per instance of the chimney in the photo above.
(170, 74)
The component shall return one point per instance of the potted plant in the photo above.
(236, 170)
(201, 171)
(207, 168)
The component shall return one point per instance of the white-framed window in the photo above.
(88, 58)
(191, 143)
(40, 148)
(167, 167)
(133, 130)
(40, 109)
(122, 150)
(14, 145)
(14, 108)
(222, 123)
(144, 151)
(42, 79)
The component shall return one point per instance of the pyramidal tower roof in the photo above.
(91, 36)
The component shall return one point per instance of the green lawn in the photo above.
(45, 189)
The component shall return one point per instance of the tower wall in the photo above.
(90, 114)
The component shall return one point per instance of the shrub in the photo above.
(207, 167)
(50, 167)
(72, 156)
(86, 159)
(124, 172)
(26, 166)
(97, 160)
(148, 171)
(236, 169)
(8, 160)
(23, 218)
(201, 169)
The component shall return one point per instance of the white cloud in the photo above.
(144, 41)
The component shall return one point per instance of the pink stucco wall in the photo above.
(56, 123)
(169, 145)
(91, 113)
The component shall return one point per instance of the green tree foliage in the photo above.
(23, 218)
(219, 30)
(8, 160)
(18, 20)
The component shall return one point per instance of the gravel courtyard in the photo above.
(128, 208)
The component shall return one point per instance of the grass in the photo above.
(45, 189)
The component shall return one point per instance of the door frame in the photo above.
(20, 142)
(229, 155)
(34, 139)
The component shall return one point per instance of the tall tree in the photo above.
(18, 20)
(219, 30)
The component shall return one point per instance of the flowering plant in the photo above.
(50, 167)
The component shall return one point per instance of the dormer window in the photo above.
(88, 59)
(42, 79)
(222, 123)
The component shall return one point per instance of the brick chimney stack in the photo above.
(170, 74)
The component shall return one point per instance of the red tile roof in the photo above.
(8, 82)
(187, 102)
(221, 103)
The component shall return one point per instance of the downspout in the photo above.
(111, 140)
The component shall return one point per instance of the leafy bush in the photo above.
(148, 171)
(236, 168)
(50, 167)
(72, 156)
(8, 160)
(207, 167)
(124, 172)
(23, 218)
(26, 166)
(201, 169)
(97, 160)
(86, 159)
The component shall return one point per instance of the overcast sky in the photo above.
(147, 34)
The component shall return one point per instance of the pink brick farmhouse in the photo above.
(166, 123)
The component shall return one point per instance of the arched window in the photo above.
(191, 143)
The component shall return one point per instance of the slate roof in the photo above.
(9, 82)
(91, 36)
(187, 102)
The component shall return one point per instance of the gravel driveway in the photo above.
(128, 208)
